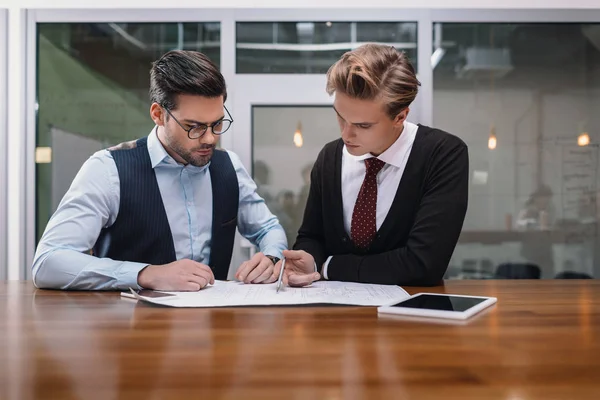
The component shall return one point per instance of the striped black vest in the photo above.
(141, 232)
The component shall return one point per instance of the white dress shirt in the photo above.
(388, 179)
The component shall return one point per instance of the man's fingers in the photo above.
(266, 275)
(303, 279)
(256, 259)
(191, 287)
(204, 276)
(272, 278)
(244, 271)
(205, 273)
(285, 279)
(241, 269)
(204, 270)
(294, 254)
(277, 268)
(248, 266)
(258, 270)
(201, 280)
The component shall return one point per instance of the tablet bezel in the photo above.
(431, 313)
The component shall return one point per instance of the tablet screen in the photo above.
(441, 303)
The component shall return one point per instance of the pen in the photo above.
(280, 279)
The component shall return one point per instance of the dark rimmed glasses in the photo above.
(197, 131)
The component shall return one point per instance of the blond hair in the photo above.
(375, 71)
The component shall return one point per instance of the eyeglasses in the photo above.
(197, 131)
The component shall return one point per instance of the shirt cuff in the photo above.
(325, 267)
(273, 251)
(127, 275)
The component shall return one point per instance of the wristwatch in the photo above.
(274, 259)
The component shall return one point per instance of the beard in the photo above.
(191, 156)
(195, 159)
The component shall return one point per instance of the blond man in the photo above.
(388, 199)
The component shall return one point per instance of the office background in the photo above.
(520, 86)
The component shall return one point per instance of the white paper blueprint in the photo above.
(227, 294)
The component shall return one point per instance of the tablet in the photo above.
(439, 305)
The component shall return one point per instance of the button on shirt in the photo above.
(92, 203)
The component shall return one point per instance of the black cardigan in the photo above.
(419, 234)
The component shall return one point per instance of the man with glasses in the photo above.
(161, 212)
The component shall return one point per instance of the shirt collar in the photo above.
(156, 150)
(158, 154)
(396, 153)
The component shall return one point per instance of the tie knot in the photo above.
(374, 165)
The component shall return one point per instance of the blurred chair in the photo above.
(452, 272)
(517, 271)
(572, 275)
(487, 268)
(468, 269)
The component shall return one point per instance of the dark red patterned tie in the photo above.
(364, 217)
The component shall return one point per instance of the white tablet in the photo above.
(439, 305)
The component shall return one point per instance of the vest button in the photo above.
(344, 239)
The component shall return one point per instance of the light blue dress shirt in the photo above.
(62, 259)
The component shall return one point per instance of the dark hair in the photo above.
(184, 72)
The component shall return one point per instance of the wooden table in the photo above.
(542, 340)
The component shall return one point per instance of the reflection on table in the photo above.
(538, 342)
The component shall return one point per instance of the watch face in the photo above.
(274, 259)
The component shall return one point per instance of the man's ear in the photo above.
(401, 117)
(157, 113)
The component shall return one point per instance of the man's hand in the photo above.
(181, 275)
(299, 268)
(259, 269)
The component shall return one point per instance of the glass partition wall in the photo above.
(524, 97)
(520, 88)
(93, 92)
(90, 85)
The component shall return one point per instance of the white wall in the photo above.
(69, 152)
